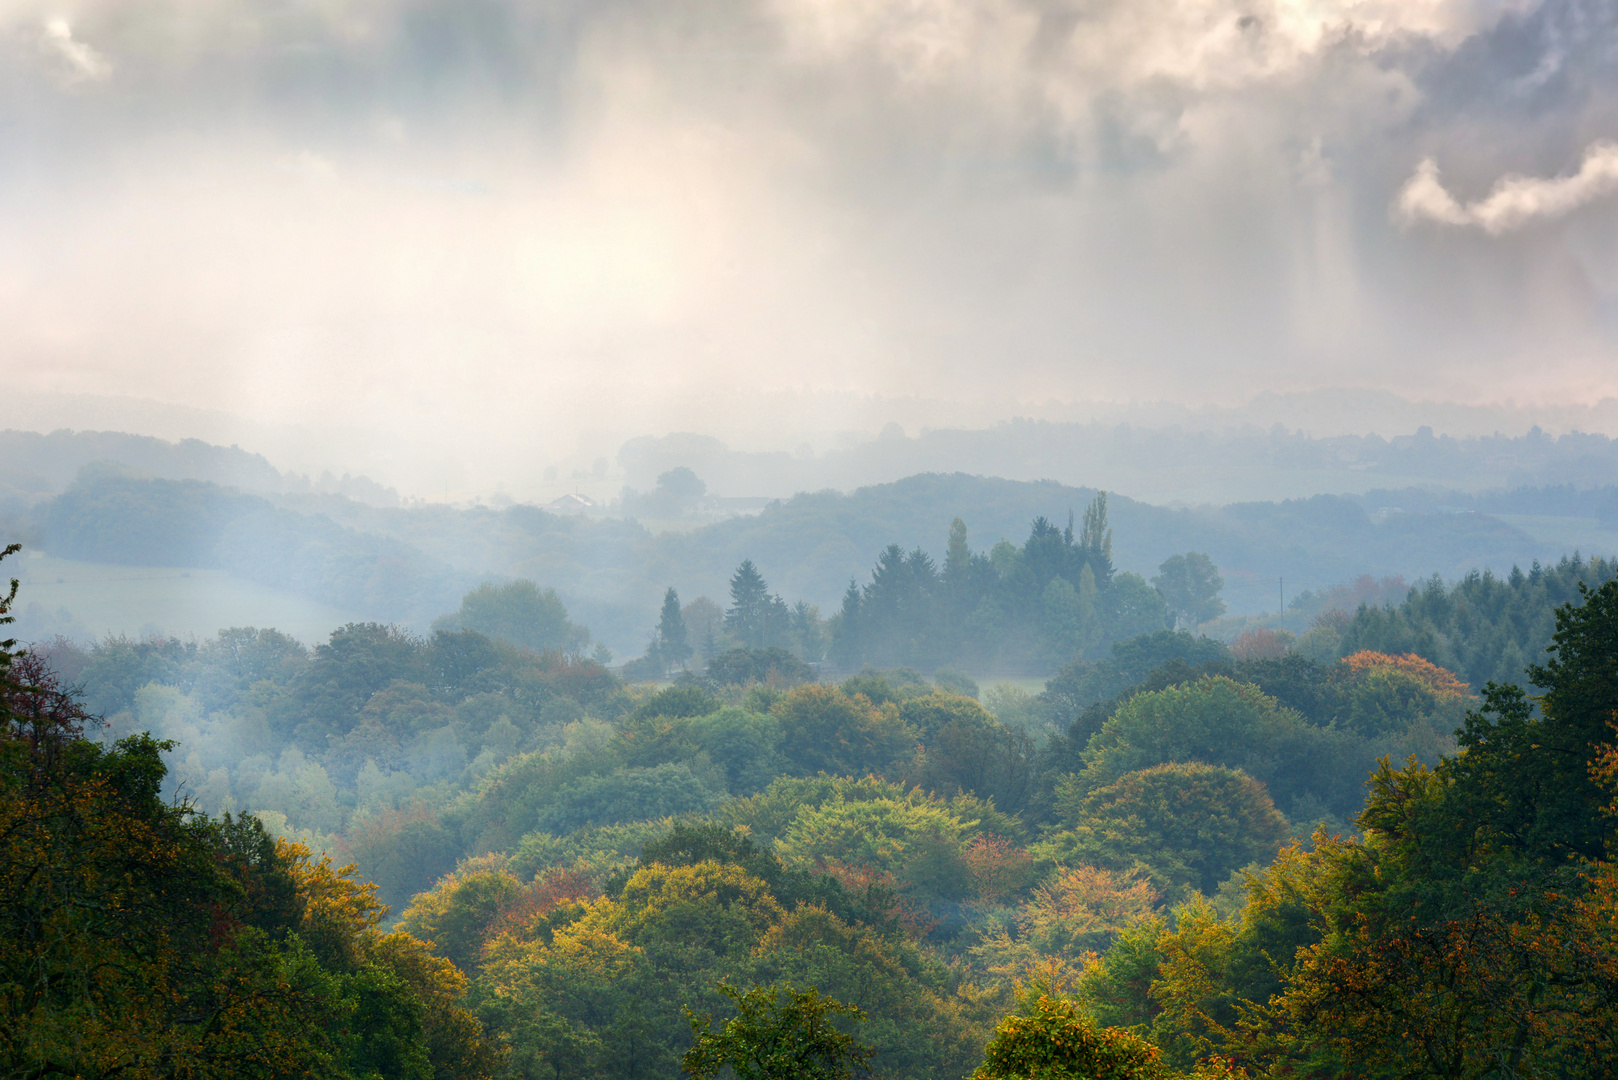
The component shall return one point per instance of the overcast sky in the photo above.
(517, 225)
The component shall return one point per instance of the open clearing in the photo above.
(96, 599)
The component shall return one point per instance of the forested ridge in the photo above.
(408, 564)
(1169, 862)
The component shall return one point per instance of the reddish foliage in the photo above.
(998, 868)
(39, 710)
(868, 882)
(560, 885)
(582, 680)
(1260, 643)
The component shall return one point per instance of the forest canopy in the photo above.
(1177, 859)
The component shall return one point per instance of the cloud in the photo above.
(1516, 200)
(538, 222)
(74, 60)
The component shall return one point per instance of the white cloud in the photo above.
(76, 60)
(1515, 200)
(457, 217)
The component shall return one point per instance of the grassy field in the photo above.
(84, 599)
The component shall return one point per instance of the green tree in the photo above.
(1132, 607)
(847, 629)
(681, 484)
(1053, 1040)
(673, 642)
(958, 556)
(143, 940)
(778, 1033)
(520, 613)
(808, 631)
(1527, 776)
(773, 666)
(1189, 585)
(705, 627)
(1468, 935)
(1484, 628)
(748, 615)
(1219, 721)
(1191, 825)
(632, 794)
(967, 749)
(1070, 622)
(403, 852)
(824, 730)
(1095, 540)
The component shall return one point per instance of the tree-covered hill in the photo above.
(1125, 868)
(409, 564)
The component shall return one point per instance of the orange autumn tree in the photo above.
(1439, 681)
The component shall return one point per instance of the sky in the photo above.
(508, 232)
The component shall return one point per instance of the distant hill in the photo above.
(110, 516)
(1162, 463)
(32, 463)
(190, 504)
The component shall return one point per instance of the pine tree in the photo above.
(673, 642)
(847, 631)
(749, 605)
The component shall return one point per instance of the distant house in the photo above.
(571, 504)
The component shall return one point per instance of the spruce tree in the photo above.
(749, 605)
(673, 642)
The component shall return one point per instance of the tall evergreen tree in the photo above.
(1529, 775)
(673, 642)
(898, 609)
(776, 631)
(1046, 556)
(847, 642)
(749, 605)
(807, 636)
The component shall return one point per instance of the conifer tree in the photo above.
(749, 605)
(673, 642)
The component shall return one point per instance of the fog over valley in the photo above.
(813, 539)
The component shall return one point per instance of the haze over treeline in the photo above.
(983, 539)
(347, 548)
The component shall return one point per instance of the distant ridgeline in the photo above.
(33, 464)
(1149, 456)
(931, 600)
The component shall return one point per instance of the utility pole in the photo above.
(1283, 582)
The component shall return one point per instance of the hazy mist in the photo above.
(479, 238)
